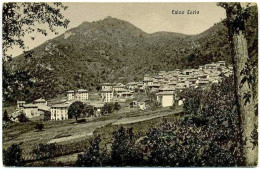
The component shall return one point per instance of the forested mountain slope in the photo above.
(115, 50)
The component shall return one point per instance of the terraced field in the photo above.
(75, 136)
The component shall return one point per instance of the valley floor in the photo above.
(74, 137)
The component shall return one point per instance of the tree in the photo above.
(20, 20)
(117, 106)
(39, 126)
(89, 110)
(22, 118)
(124, 152)
(192, 100)
(92, 157)
(12, 156)
(6, 117)
(246, 104)
(107, 108)
(76, 109)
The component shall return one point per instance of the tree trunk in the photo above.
(243, 92)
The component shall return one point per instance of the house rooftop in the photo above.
(165, 93)
(82, 90)
(60, 105)
(44, 107)
(30, 106)
(40, 100)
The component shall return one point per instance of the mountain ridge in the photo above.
(114, 50)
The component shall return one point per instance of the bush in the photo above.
(45, 151)
(117, 106)
(5, 116)
(88, 110)
(12, 156)
(22, 118)
(92, 157)
(124, 152)
(192, 100)
(39, 126)
(184, 145)
(108, 108)
(82, 121)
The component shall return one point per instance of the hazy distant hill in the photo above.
(115, 50)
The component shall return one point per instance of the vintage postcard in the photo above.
(121, 84)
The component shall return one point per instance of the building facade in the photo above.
(107, 95)
(165, 98)
(40, 102)
(59, 112)
(80, 95)
(30, 110)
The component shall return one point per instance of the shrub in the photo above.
(117, 106)
(192, 100)
(88, 110)
(22, 118)
(12, 156)
(108, 108)
(92, 157)
(124, 152)
(39, 126)
(5, 116)
(45, 151)
(82, 121)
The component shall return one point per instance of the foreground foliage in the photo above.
(205, 136)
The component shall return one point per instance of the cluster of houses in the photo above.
(164, 84)
(40, 108)
(116, 92)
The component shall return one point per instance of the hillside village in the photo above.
(164, 84)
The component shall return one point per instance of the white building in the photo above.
(59, 112)
(107, 86)
(165, 98)
(107, 95)
(31, 110)
(20, 104)
(221, 63)
(40, 102)
(82, 94)
(70, 95)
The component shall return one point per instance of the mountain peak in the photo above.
(109, 17)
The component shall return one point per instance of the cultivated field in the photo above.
(74, 137)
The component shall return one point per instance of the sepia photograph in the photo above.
(129, 84)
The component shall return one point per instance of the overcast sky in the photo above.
(150, 17)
